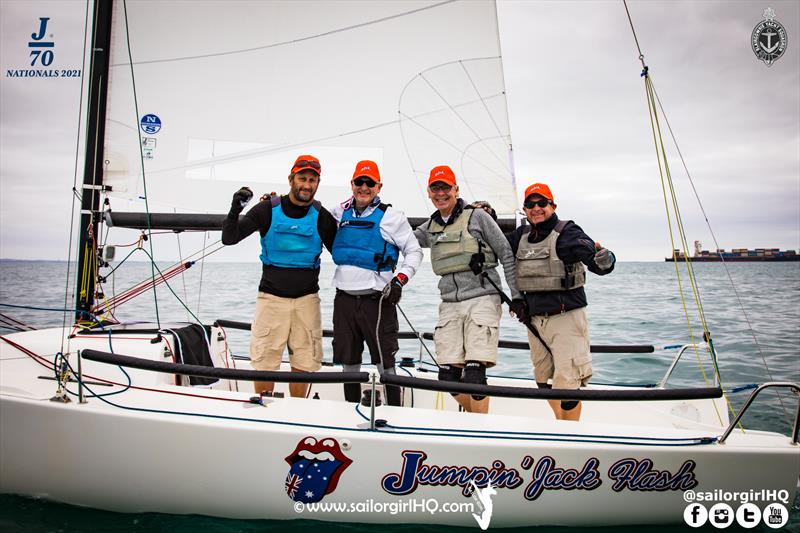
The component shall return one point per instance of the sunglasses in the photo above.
(543, 202)
(305, 164)
(358, 182)
(440, 188)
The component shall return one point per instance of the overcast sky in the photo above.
(578, 122)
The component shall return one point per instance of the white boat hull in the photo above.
(215, 454)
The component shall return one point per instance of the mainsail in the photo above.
(246, 86)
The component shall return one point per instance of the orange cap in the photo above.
(442, 173)
(306, 162)
(368, 169)
(541, 189)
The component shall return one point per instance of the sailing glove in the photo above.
(519, 307)
(604, 259)
(241, 198)
(394, 290)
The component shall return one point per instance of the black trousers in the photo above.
(354, 321)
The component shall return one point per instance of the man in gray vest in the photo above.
(550, 257)
(462, 241)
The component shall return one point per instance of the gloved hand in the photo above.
(604, 259)
(482, 204)
(520, 309)
(476, 263)
(241, 198)
(394, 290)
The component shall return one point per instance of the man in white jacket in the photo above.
(369, 283)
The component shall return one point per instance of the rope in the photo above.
(183, 272)
(141, 155)
(74, 184)
(419, 337)
(146, 285)
(202, 265)
(667, 183)
(750, 328)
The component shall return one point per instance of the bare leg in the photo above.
(555, 405)
(263, 386)
(572, 414)
(464, 400)
(298, 390)
(478, 406)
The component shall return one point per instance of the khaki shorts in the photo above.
(281, 320)
(468, 331)
(567, 335)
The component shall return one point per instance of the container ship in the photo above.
(737, 254)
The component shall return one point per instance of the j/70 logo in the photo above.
(41, 50)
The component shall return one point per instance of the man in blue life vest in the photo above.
(465, 240)
(293, 229)
(550, 254)
(371, 237)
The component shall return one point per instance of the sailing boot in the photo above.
(352, 392)
(393, 395)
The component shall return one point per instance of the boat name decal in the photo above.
(546, 475)
(639, 475)
(626, 474)
(414, 473)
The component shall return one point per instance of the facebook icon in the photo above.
(695, 515)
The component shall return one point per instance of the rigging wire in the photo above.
(141, 158)
(202, 265)
(183, 272)
(667, 183)
(74, 184)
(750, 328)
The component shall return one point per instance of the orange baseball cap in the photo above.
(541, 189)
(306, 162)
(442, 173)
(367, 169)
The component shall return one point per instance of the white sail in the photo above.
(245, 87)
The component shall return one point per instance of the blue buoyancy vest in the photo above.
(359, 242)
(292, 242)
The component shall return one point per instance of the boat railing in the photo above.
(649, 394)
(663, 383)
(426, 335)
(772, 384)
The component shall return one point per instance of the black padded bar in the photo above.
(516, 345)
(224, 373)
(553, 394)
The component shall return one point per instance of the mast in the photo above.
(93, 167)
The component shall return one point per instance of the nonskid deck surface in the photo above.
(668, 423)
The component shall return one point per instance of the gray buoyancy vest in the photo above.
(452, 247)
(539, 268)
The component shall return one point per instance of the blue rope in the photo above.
(50, 309)
(662, 441)
(742, 388)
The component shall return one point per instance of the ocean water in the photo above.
(639, 303)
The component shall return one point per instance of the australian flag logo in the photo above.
(314, 469)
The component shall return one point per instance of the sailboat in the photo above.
(182, 111)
